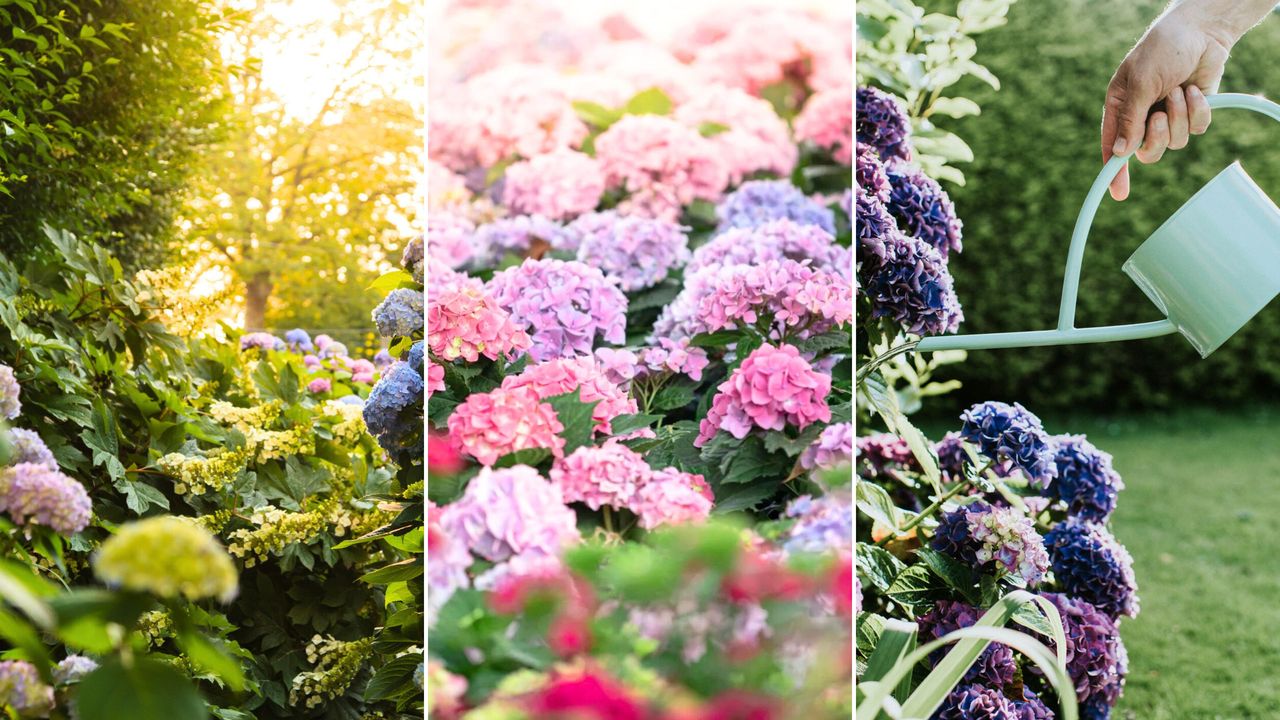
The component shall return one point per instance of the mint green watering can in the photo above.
(1209, 268)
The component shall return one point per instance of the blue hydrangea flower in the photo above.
(758, 201)
(995, 667)
(415, 355)
(72, 668)
(952, 458)
(1011, 434)
(29, 448)
(401, 314)
(910, 285)
(989, 538)
(923, 208)
(1031, 707)
(1088, 563)
(882, 124)
(975, 702)
(1086, 481)
(1096, 657)
(298, 341)
(393, 411)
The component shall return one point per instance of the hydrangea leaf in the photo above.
(650, 101)
(917, 585)
(878, 565)
(146, 690)
(959, 577)
(391, 679)
(876, 504)
(672, 397)
(575, 416)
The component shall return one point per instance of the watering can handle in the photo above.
(1067, 333)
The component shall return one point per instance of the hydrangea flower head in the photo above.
(996, 666)
(1090, 565)
(519, 235)
(489, 425)
(413, 259)
(465, 322)
(1096, 657)
(772, 388)
(775, 45)
(511, 512)
(447, 561)
(876, 229)
(662, 164)
(29, 448)
(757, 202)
(1031, 707)
(983, 537)
(260, 341)
(560, 185)
(777, 239)
(671, 497)
(754, 138)
(298, 340)
(611, 474)
(564, 305)
(38, 494)
(789, 294)
(383, 359)
(822, 524)
(883, 454)
(952, 458)
(583, 375)
(391, 411)
(870, 174)
(911, 285)
(73, 667)
(400, 313)
(675, 356)
(833, 447)
(435, 378)
(638, 251)
(22, 690)
(1011, 434)
(883, 124)
(976, 702)
(827, 121)
(1086, 481)
(10, 405)
(319, 385)
(923, 208)
(167, 556)
(619, 365)
(449, 239)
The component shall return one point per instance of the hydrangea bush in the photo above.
(640, 389)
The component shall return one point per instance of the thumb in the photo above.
(1125, 117)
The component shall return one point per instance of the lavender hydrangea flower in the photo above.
(414, 258)
(782, 239)
(72, 668)
(587, 225)
(298, 340)
(638, 251)
(759, 201)
(1089, 564)
(882, 124)
(383, 359)
(517, 235)
(401, 314)
(1010, 434)
(1096, 657)
(823, 524)
(923, 208)
(912, 286)
(22, 690)
(996, 665)
(511, 512)
(10, 405)
(34, 493)
(1086, 481)
(988, 538)
(870, 174)
(975, 702)
(564, 306)
(260, 341)
(389, 411)
(833, 447)
(29, 448)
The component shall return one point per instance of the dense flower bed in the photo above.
(639, 295)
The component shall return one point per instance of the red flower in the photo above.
(569, 634)
(842, 586)
(589, 697)
(741, 705)
(756, 579)
(442, 457)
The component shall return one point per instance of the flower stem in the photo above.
(875, 362)
(925, 513)
(608, 520)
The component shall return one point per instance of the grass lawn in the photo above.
(1199, 516)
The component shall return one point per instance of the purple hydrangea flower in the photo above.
(1086, 481)
(833, 447)
(260, 341)
(823, 524)
(882, 124)
(563, 305)
(509, 513)
(72, 668)
(298, 340)
(995, 666)
(22, 690)
(1096, 657)
(1010, 434)
(10, 405)
(975, 702)
(782, 239)
(1031, 707)
(587, 225)
(757, 202)
(1088, 563)
(449, 239)
(515, 235)
(870, 173)
(912, 286)
(923, 208)
(401, 314)
(38, 494)
(883, 454)
(414, 260)
(952, 458)
(988, 538)
(618, 364)
(393, 411)
(638, 251)
(383, 359)
(876, 230)
(29, 448)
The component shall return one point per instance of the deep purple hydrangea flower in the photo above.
(1031, 707)
(1086, 481)
(638, 251)
(563, 305)
(1088, 563)
(975, 702)
(393, 411)
(913, 287)
(952, 458)
(995, 666)
(882, 124)
(876, 230)
(1011, 434)
(29, 448)
(401, 314)
(883, 454)
(988, 538)
(298, 341)
(514, 235)
(756, 202)
(1096, 657)
(870, 173)
(923, 208)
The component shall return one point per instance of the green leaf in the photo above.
(838, 339)
(626, 424)
(528, 456)
(103, 438)
(719, 338)
(392, 678)
(958, 576)
(210, 657)
(596, 114)
(792, 446)
(393, 280)
(897, 640)
(145, 690)
(672, 397)
(878, 565)
(745, 496)
(711, 129)
(658, 296)
(917, 585)
(138, 496)
(955, 107)
(403, 570)
(575, 416)
(876, 504)
(652, 101)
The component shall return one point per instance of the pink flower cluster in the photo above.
(560, 185)
(827, 121)
(449, 238)
(614, 475)
(771, 47)
(583, 374)
(675, 356)
(35, 493)
(434, 376)
(781, 239)
(447, 561)
(638, 251)
(444, 187)
(563, 304)
(489, 425)
(508, 513)
(756, 139)
(661, 163)
(466, 323)
(772, 388)
(672, 497)
(791, 296)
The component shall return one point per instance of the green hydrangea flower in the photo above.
(167, 556)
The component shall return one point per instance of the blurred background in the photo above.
(1193, 439)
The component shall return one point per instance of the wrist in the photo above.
(1225, 21)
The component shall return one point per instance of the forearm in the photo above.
(1226, 20)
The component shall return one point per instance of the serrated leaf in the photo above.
(876, 504)
(575, 416)
(957, 575)
(744, 497)
(917, 585)
(672, 397)
(627, 424)
(878, 565)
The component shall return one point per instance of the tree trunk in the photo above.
(256, 292)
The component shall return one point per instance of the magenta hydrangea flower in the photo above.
(675, 356)
(780, 239)
(37, 494)
(827, 121)
(564, 305)
(911, 285)
(754, 140)
(772, 388)
(29, 448)
(662, 164)
(319, 385)
(987, 537)
(10, 390)
(560, 185)
(260, 341)
(449, 239)
(581, 374)
(789, 295)
(870, 173)
(610, 475)
(923, 208)
(883, 124)
(441, 279)
(833, 447)
(434, 376)
(671, 497)
(883, 454)
(517, 235)
(467, 323)
(638, 251)
(489, 425)
(1096, 656)
(511, 512)
(758, 202)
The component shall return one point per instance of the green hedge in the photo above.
(1036, 148)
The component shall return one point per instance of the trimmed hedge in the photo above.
(1036, 148)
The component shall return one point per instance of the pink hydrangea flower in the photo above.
(445, 188)
(789, 294)
(362, 370)
(781, 239)
(564, 305)
(756, 139)
(584, 374)
(618, 364)
(449, 238)
(833, 447)
(772, 388)
(447, 561)
(769, 47)
(435, 377)
(672, 497)
(35, 493)
(319, 385)
(611, 474)
(511, 512)
(466, 323)
(559, 185)
(489, 425)
(661, 163)
(827, 121)
(675, 356)
(441, 278)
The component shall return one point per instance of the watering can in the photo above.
(1209, 268)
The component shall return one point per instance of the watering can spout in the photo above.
(1212, 266)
